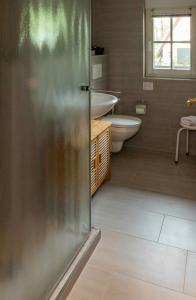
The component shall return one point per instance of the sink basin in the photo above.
(101, 104)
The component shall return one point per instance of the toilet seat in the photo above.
(121, 121)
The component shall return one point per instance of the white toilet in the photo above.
(123, 128)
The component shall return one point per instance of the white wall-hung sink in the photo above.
(101, 104)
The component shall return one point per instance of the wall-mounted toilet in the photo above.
(123, 128)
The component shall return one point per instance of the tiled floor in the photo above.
(147, 214)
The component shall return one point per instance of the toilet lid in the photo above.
(122, 121)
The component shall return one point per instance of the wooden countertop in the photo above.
(97, 127)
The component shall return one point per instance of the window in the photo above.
(170, 43)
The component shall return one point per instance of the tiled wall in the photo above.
(118, 26)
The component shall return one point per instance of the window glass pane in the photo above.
(181, 56)
(161, 28)
(181, 28)
(162, 56)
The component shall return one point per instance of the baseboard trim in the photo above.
(67, 282)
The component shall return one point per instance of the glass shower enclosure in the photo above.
(44, 132)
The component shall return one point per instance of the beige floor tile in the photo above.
(179, 233)
(166, 184)
(144, 186)
(190, 282)
(125, 218)
(170, 205)
(124, 288)
(91, 285)
(142, 259)
(96, 284)
(154, 171)
(118, 196)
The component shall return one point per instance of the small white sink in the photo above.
(101, 104)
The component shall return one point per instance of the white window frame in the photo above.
(150, 71)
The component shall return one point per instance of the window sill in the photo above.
(148, 77)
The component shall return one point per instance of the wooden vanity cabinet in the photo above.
(100, 153)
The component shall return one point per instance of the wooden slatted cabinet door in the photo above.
(94, 171)
(104, 146)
